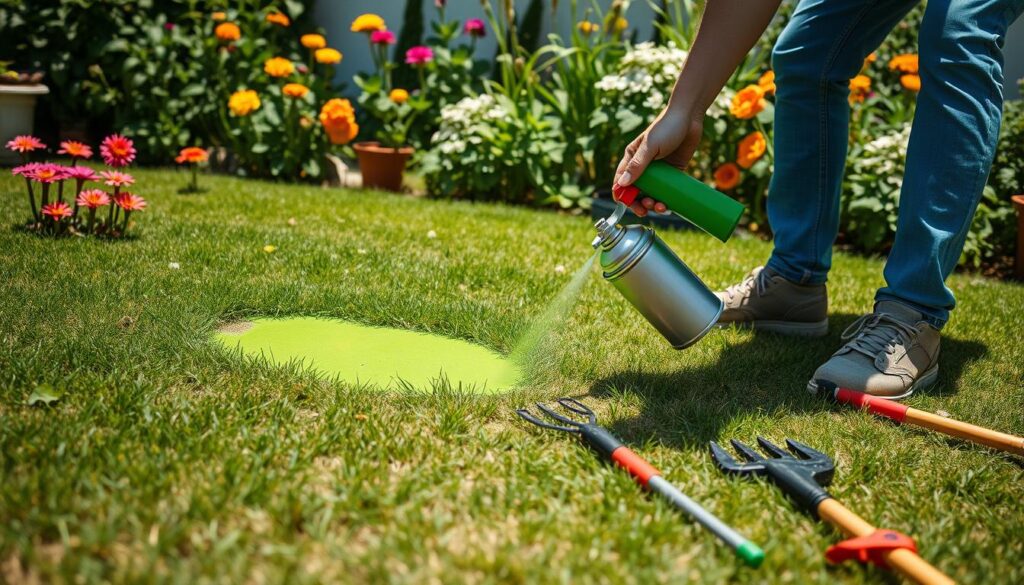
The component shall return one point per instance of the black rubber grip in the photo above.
(801, 488)
(600, 440)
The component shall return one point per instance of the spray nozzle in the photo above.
(606, 226)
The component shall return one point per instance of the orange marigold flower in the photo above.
(367, 23)
(860, 86)
(244, 102)
(339, 121)
(906, 63)
(219, 16)
(75, 149)
(228, 31)
(278, 19)
(911, 82)
(93, 198)
(313, 41)
(57, 211)
(278, 67)
(767, 82)
(327, 56)
(295, 90)
(750, 149)
(747, 102)
(130, 202)
(399, 96)
(192, 155)
(727, 176)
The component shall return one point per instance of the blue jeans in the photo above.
(952, 141)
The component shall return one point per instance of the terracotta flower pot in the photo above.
(382, 167)
(1018, 202)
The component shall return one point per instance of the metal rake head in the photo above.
(568, 425)
(808, 462)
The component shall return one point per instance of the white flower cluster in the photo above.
(646, 74)
(459, 123)
(884, 156)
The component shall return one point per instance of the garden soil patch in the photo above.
(380, 357)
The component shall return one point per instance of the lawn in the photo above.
(170, 459)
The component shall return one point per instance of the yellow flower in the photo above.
(270, 248)
(367, 23)
(244, 102)
(586, 27)
(747, 102)
(339, 120)
(219, 16)
(313, 41)
(860, 86)
(767, 82)
(327, 56)
(278, 19)
(227, 31)
(278, 67)
(295, 90)
(911, 82)
(906, 63)
(621, 24)
(750, 149)
(399, 96)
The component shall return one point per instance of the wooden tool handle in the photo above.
(967, 431)
(904, 561)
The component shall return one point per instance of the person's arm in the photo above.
(728, 29)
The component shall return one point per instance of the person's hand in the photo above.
(672, 137)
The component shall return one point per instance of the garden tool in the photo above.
(646, 271)
(905, 414)
(801, 479)
(610, 448)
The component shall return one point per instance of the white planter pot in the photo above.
(17, 112)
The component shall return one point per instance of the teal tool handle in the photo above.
(710, 210)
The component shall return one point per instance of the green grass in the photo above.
(169, 459)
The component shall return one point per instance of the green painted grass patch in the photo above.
(380, 357)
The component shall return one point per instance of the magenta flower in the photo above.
(419, 56)
(117, 150)
(382, 37)
(93, 198)
(25, 169)
(475, 28)
(57, 211)
(75, 149)
(47, 173)
(117, 178)
(82, 174)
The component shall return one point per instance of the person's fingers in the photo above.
(647, 202)
(660, 207)
(637, 164)
(627, 156)
(638, 209)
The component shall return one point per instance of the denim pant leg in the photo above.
(952, 143)
(822, 47)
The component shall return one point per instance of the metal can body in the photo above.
(660, 285)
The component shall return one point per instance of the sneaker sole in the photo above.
(925, 381)
(793, 328)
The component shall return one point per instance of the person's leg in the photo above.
(822, 47)
(953, 141)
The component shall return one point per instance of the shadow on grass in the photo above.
(764, 375)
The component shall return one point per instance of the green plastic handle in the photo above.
(704, 207)
(750, 553)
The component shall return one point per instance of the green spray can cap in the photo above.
(704, 207)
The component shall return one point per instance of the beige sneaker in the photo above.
(768, 302)
(890, 353)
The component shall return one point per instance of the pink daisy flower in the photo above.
(474, 27)
(419, 56)
(57, 211)
(75, 149)
(25, 143)
(117, 178)
(117, 151)
(25, 169)
(130, 202)
(382, 37)
(93, 198)
(82, 174)
(47, 173)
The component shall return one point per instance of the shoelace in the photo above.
(872, 334)
(742, 288)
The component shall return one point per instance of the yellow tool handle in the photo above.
(966, 431)
(904, 561)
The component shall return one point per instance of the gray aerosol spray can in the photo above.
(651, 277)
